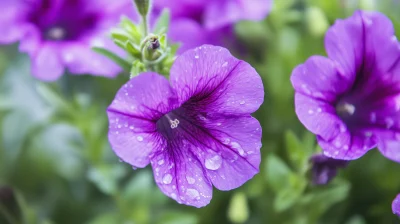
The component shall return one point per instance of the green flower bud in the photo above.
(142, 7)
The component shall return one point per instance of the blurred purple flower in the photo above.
(396, 205)
(196, 130)
(351, 100)
(209, 22)
(324, 169)
(58, 34)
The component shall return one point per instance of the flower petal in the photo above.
(46, 63)
(192, 36)
(237, 142)
(180, 175)
(348, 145)
(319, 79)
(226, 12)
(216, 81)
(318, 116)
(81, 59)
(364, 41)
(390, 149)
(396, 205)
(133, 115)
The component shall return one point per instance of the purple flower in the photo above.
(351, 100)
(58, 34)
(196, 130)
(396, 205)
(209, 22)
(324, 169)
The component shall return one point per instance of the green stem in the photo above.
(145, 26)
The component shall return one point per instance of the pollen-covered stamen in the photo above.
(345, 109)
(174, 123)
(56, 33)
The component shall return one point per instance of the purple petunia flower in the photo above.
(396, 205)
(351, 100)
(209, 22)
(324, 168)
(196, 130)
(58, 34)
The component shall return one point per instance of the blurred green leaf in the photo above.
(289, 195)
(238, 211)
(177, 217)
(58, 146)
(106, 177)
(277, 172)
(162, 23)
(114, 57)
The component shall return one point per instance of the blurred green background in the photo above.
(56, 165)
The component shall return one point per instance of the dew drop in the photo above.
(237, 146)
(173, 195)
(190, 180)
(160, 162)
(139, 138)
(196, 56)
(242, 102)
(213, 163)
(225, 64)
(167, 179)
(131, 127)
(192, 193)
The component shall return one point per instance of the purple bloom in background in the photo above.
(196, 130)
(324, 168)
(351, 100)
(396, 205)
(58, 34)
(196, 22)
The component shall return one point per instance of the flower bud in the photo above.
(142, 7)
(324, 169)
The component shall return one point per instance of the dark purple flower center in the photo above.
(68, 21)
(180, 123)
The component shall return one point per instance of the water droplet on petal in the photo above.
(196, 56)
(242, 102)
(214, 162)
(139, 138)
(225, 64)
(190, 180)
(167, 179)
(160, 162)
(238, 147)
(173, 195)
(192, 193)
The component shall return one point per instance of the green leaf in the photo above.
(278, 173)
(132, 29)
(137, 68)
(119, 35)
(238, 211)
(162, 23)
(60, 140)
(133, 49)
(177, 217)
(289, 195)
(106, 218)
(106, 177)
(298, 152)
(121, 62)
